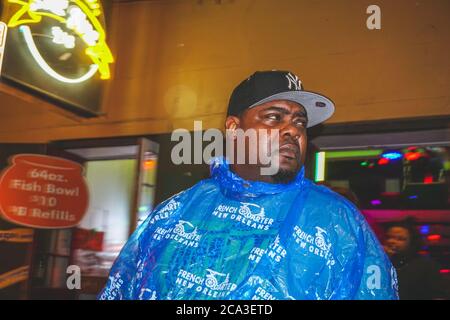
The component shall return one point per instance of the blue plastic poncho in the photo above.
(227, 238)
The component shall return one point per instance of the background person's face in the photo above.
(398, 239)
(290, 119)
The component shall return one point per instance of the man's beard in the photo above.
(284, 176)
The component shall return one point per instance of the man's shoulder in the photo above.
(171, 209)
(325, 195)
(332, 208)
(203, 188)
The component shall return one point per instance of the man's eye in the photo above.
(275, 117)
(300, 123)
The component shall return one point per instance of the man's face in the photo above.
(290, 119)
(397, 240)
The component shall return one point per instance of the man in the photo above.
(418, 276)
(246, 235)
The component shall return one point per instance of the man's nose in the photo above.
(289, 129)
(390, 241)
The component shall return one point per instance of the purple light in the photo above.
(425, 229)
(375, 202)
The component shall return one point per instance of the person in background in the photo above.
(418, 276)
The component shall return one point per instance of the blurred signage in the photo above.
(43, 192)
(17, 235)
(14, 276)
(3, 31)
(58, 49)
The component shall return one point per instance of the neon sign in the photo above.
(79, 18)
(3, 31)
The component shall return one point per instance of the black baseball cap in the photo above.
(265, 86)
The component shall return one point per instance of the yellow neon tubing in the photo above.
(100, 53)
(41, 62)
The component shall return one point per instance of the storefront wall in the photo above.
(177, 61)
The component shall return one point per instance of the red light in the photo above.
(383, 161)
(434, 237)
(411, 156)
(444, 271)
(428, 179)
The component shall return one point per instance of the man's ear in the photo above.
(232, 123)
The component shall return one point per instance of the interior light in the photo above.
(320, 166)
(428, 179)
(434, 237)
(411, 156)
(392, 155)
(149, 164)
(353, 154)
(425, 229)
(143, 208)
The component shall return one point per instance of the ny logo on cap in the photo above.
(294, 81)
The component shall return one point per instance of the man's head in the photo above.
(398, 239)
(402, 238)
(290, 119)
(274, 101)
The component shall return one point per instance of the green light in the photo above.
(447, 165)
(353, 154)
(320, 167)
(364, 163)
(143, 208)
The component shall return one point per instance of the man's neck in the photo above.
(251, 173)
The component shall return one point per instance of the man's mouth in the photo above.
(290, 151)
(392, 247)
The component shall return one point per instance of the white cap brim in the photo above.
(318, 107)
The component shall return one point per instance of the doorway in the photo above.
(121, 178)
